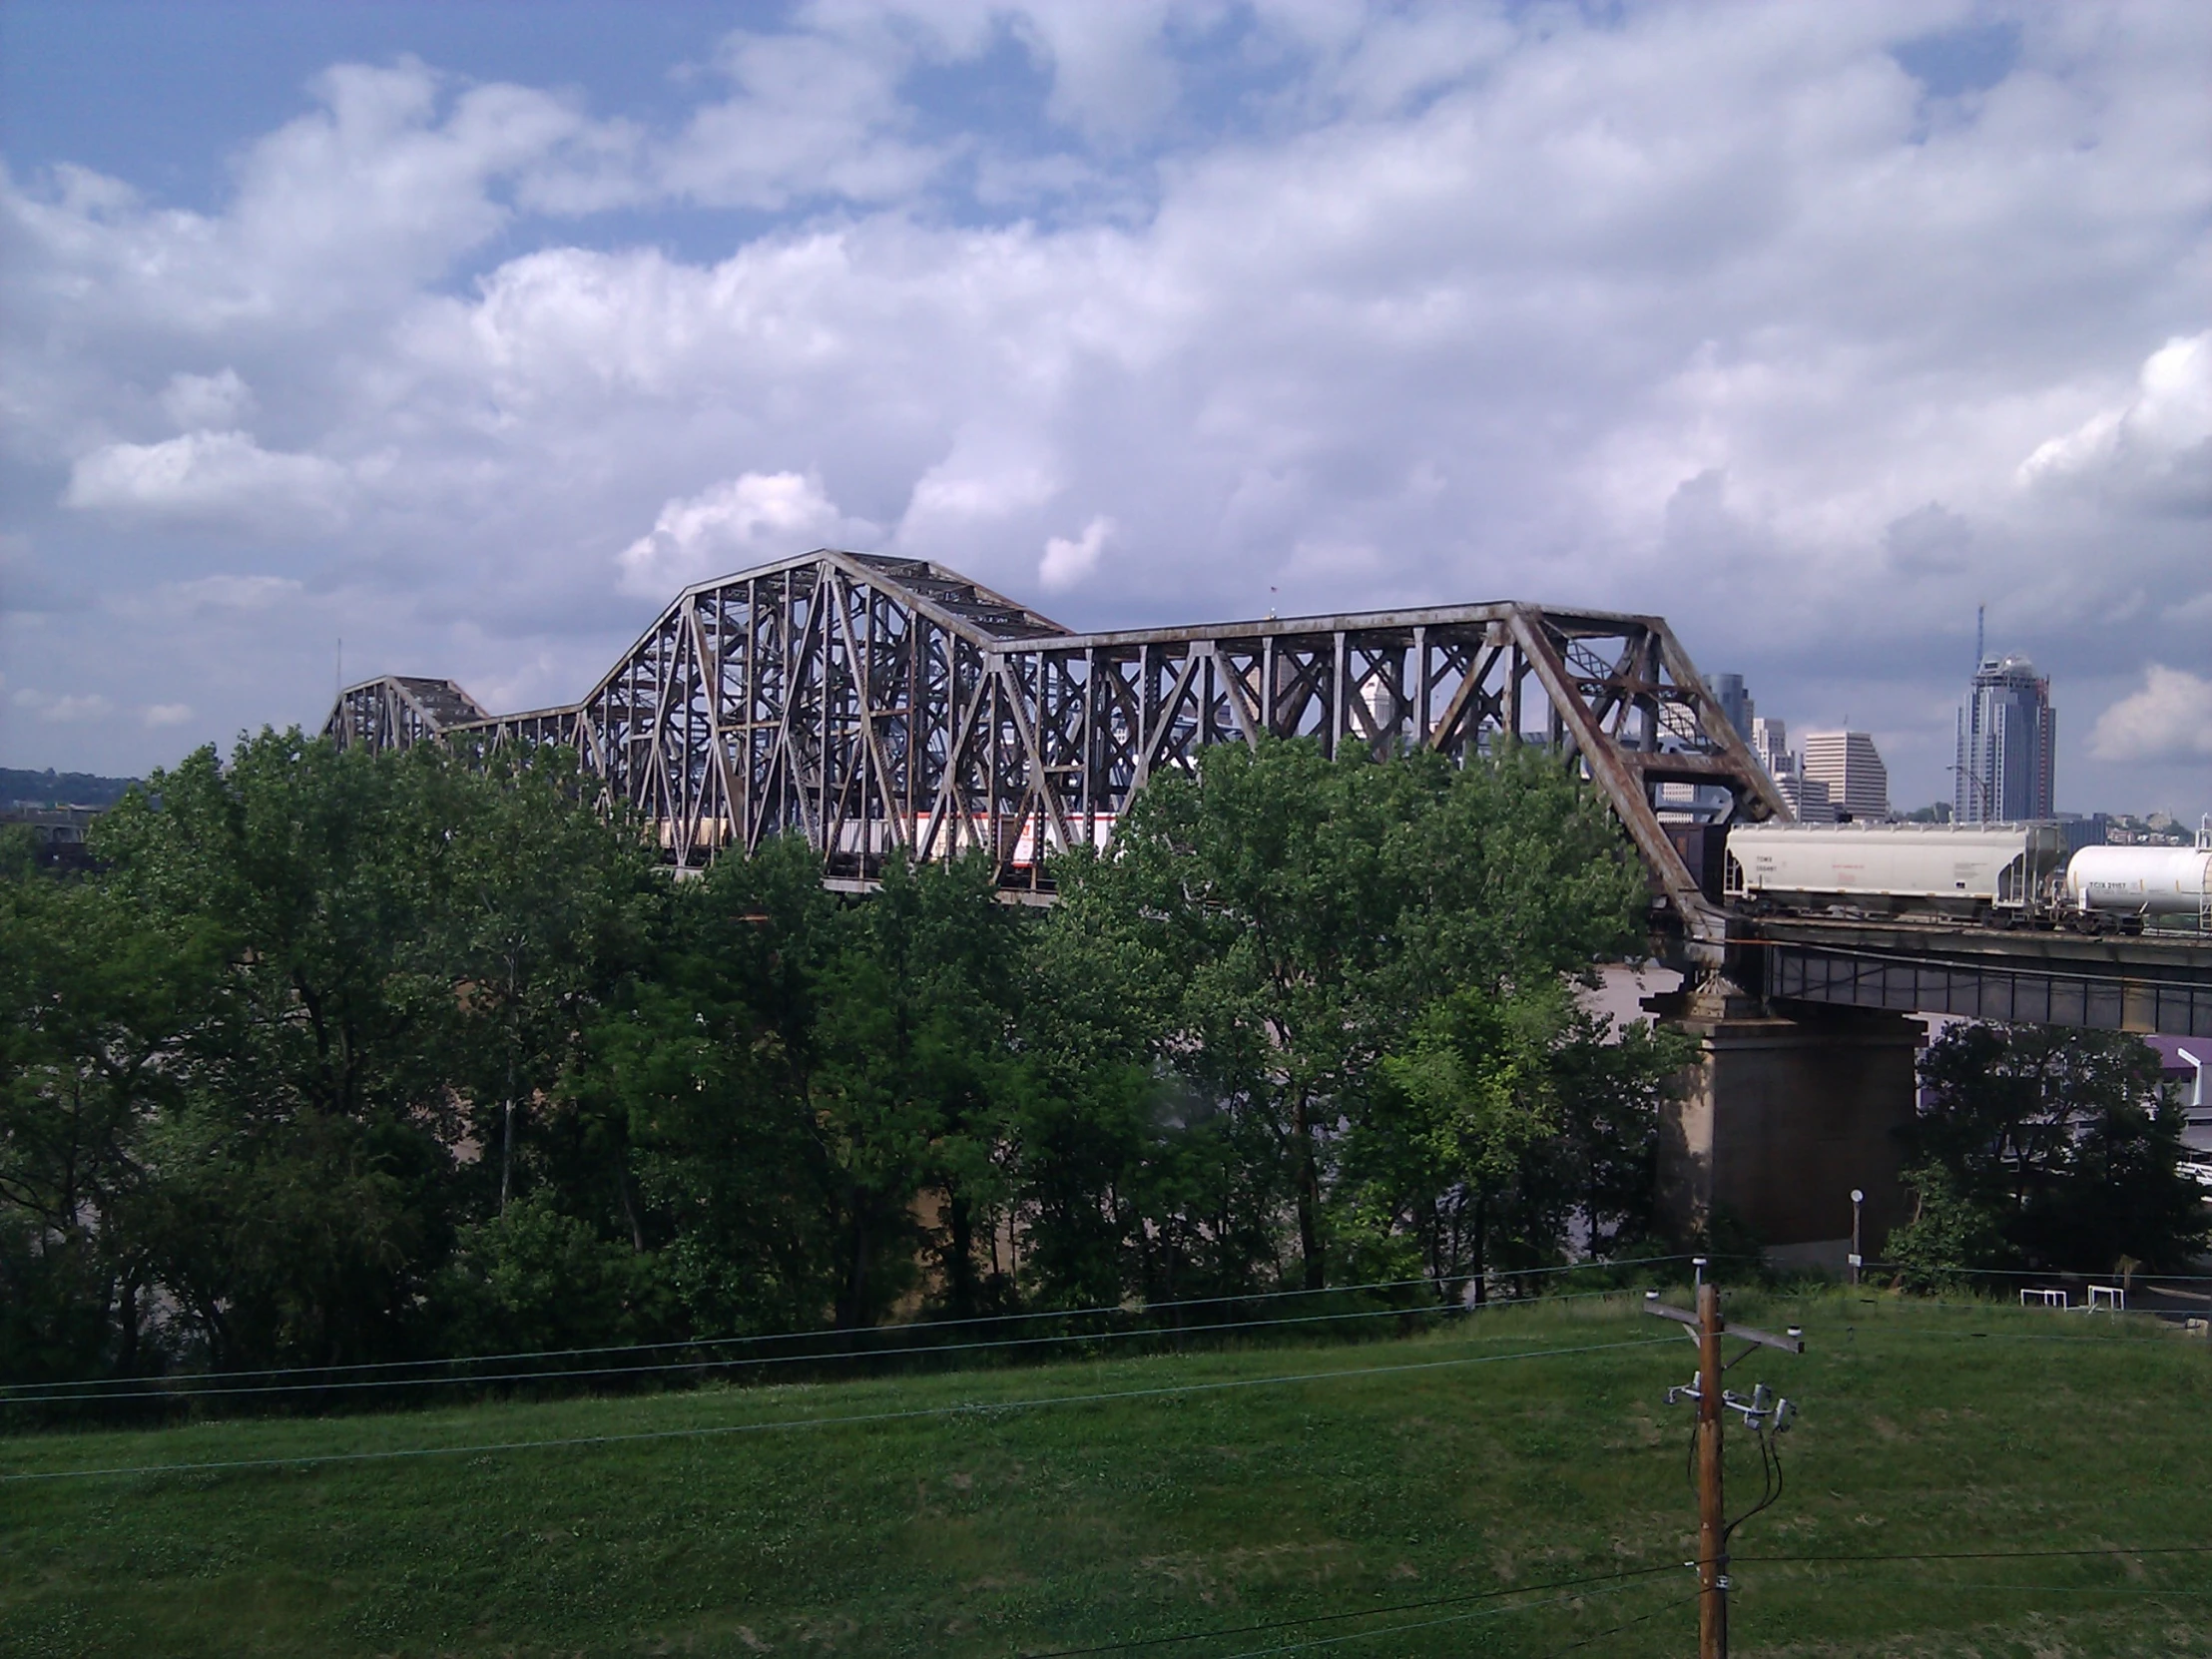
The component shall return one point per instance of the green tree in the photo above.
(1306, 913)
(2063, 1140)
(535, 1277)
(298, 1207)
(1456, 1119)
(1126, 1179)
(93, 993)
(1949, 1236)
(911, 1077)
(1498, 1127)
(697, 1072)
(817, 1092)
(348, 1055)
(548, 899)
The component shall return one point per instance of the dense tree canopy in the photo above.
(342, 1057)
(2046, 1148)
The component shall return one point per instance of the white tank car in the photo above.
(1959, 869)
(2152, 882)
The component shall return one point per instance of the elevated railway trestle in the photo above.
(877, 704)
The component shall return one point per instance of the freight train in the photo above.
(2006, 875)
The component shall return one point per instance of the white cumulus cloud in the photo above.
(747, 521)
(65, 708)
(2170, 719)
(209, 475)
(2157, 446)
(816, 113)
(1719, 311)
(226, 593)
(1066, 563)
(207, 403)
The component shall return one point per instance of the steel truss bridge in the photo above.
(879, 706)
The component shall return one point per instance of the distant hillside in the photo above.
(59, 789)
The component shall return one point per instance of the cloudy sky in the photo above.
(469, 332)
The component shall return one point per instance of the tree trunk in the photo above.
(961, 1264)
(1308, 1195)
(630, 1209)
(126, 1358)
(507, 1129)
(851, 1301)
(1481, 1272)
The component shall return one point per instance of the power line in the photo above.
(2170, 1344)
(1136, 1643)
(1114, 1310)
(1432, 1624)
(2141, 1275)
(732, 1363)
(2083, 1589)
(1990, 1554)
(95, 1391)
(1626, 1624)
(1174, 1638)
(964, 1408)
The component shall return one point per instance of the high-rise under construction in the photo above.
(2007, 740)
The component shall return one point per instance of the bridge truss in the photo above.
(876, 704)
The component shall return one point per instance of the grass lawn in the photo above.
(950, 1513)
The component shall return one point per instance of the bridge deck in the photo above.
(2114, 982)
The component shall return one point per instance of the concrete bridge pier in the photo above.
(1780, 1116)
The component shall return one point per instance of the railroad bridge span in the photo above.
(879, 706)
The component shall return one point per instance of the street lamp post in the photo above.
(1856, 1199)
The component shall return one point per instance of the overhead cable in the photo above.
(1112, 1310)
(60, 1393)
(965, 1409)
(1137, 1642)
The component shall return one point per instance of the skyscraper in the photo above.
(2007, 740)
(1735, 700)
(1850, 765)
(1807, 797)
(1770, 740)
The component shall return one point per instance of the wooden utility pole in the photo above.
(1761, 1413)
(1712, 1519)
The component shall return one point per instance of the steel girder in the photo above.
(398, 711)
(875, 703)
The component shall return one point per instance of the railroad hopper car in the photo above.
(1993, 872)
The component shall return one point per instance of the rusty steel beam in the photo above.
(878, 705)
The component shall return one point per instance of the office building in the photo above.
(1770, 742)
(1808, 797)
(2008, 739)
(2080, 830)
(1729, 692)
(1849, 764)
(1708, 800)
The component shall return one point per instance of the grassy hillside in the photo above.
(1195, 1496)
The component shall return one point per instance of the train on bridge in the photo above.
(2002, 874)
(886, 708)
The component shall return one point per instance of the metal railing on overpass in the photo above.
(2044, 977)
